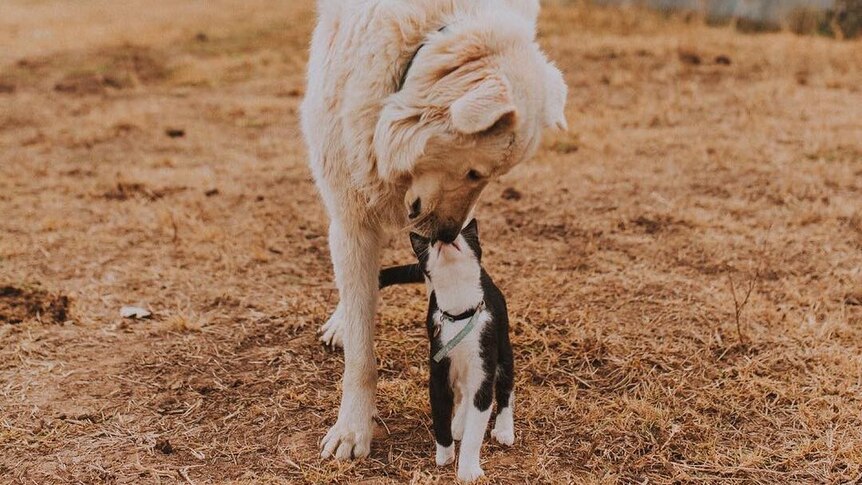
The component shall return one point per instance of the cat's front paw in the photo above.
(445, 454)
(504, 436)
(504, 427)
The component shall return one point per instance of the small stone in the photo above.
(164, 446)
(689, 57)
(134, 312)
(511, 193)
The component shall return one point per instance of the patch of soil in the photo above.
(87, 83)
(653, 225)
(18, 305)
(566, 147)
(126, 191)
(164, 446)
(689, 57)
(120, 68)
(511, 193)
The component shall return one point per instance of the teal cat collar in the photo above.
(444, 351)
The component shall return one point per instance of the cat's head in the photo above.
(460, 258)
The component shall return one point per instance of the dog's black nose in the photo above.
(415, 209)
(447, 234)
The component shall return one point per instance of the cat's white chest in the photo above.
(466, 357)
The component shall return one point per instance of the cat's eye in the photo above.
(474, 175)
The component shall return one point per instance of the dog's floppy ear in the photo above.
(399, 139)
(555, 98)
(482, 106)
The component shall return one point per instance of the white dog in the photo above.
(412, 107)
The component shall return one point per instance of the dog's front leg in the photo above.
(356, 260)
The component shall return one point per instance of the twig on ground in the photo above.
(739, 306)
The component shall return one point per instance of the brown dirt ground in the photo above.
(686, 178)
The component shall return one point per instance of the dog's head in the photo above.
(473, 105)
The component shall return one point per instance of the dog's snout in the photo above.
(447, 234)
(415, 209)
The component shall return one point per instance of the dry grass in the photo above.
(616, 248)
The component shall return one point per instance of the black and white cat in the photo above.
(471, 356)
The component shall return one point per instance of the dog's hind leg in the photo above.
(356, 258)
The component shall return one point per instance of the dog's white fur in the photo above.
(476, 99)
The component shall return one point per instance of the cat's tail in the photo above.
(401, 275)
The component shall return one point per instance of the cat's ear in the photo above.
(419, 243)
(471, 229)
(471, 236)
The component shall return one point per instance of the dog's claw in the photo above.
(344, 443)
(331, 331)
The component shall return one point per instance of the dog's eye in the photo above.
(474, 175)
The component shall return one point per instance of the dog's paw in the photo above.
(348, 440)
(445, 454)
(331, 332)
(470, 473)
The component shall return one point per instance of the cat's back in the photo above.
(494, 298)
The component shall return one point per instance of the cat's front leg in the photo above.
(478, 412)
(442, 399)
(461, 405)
